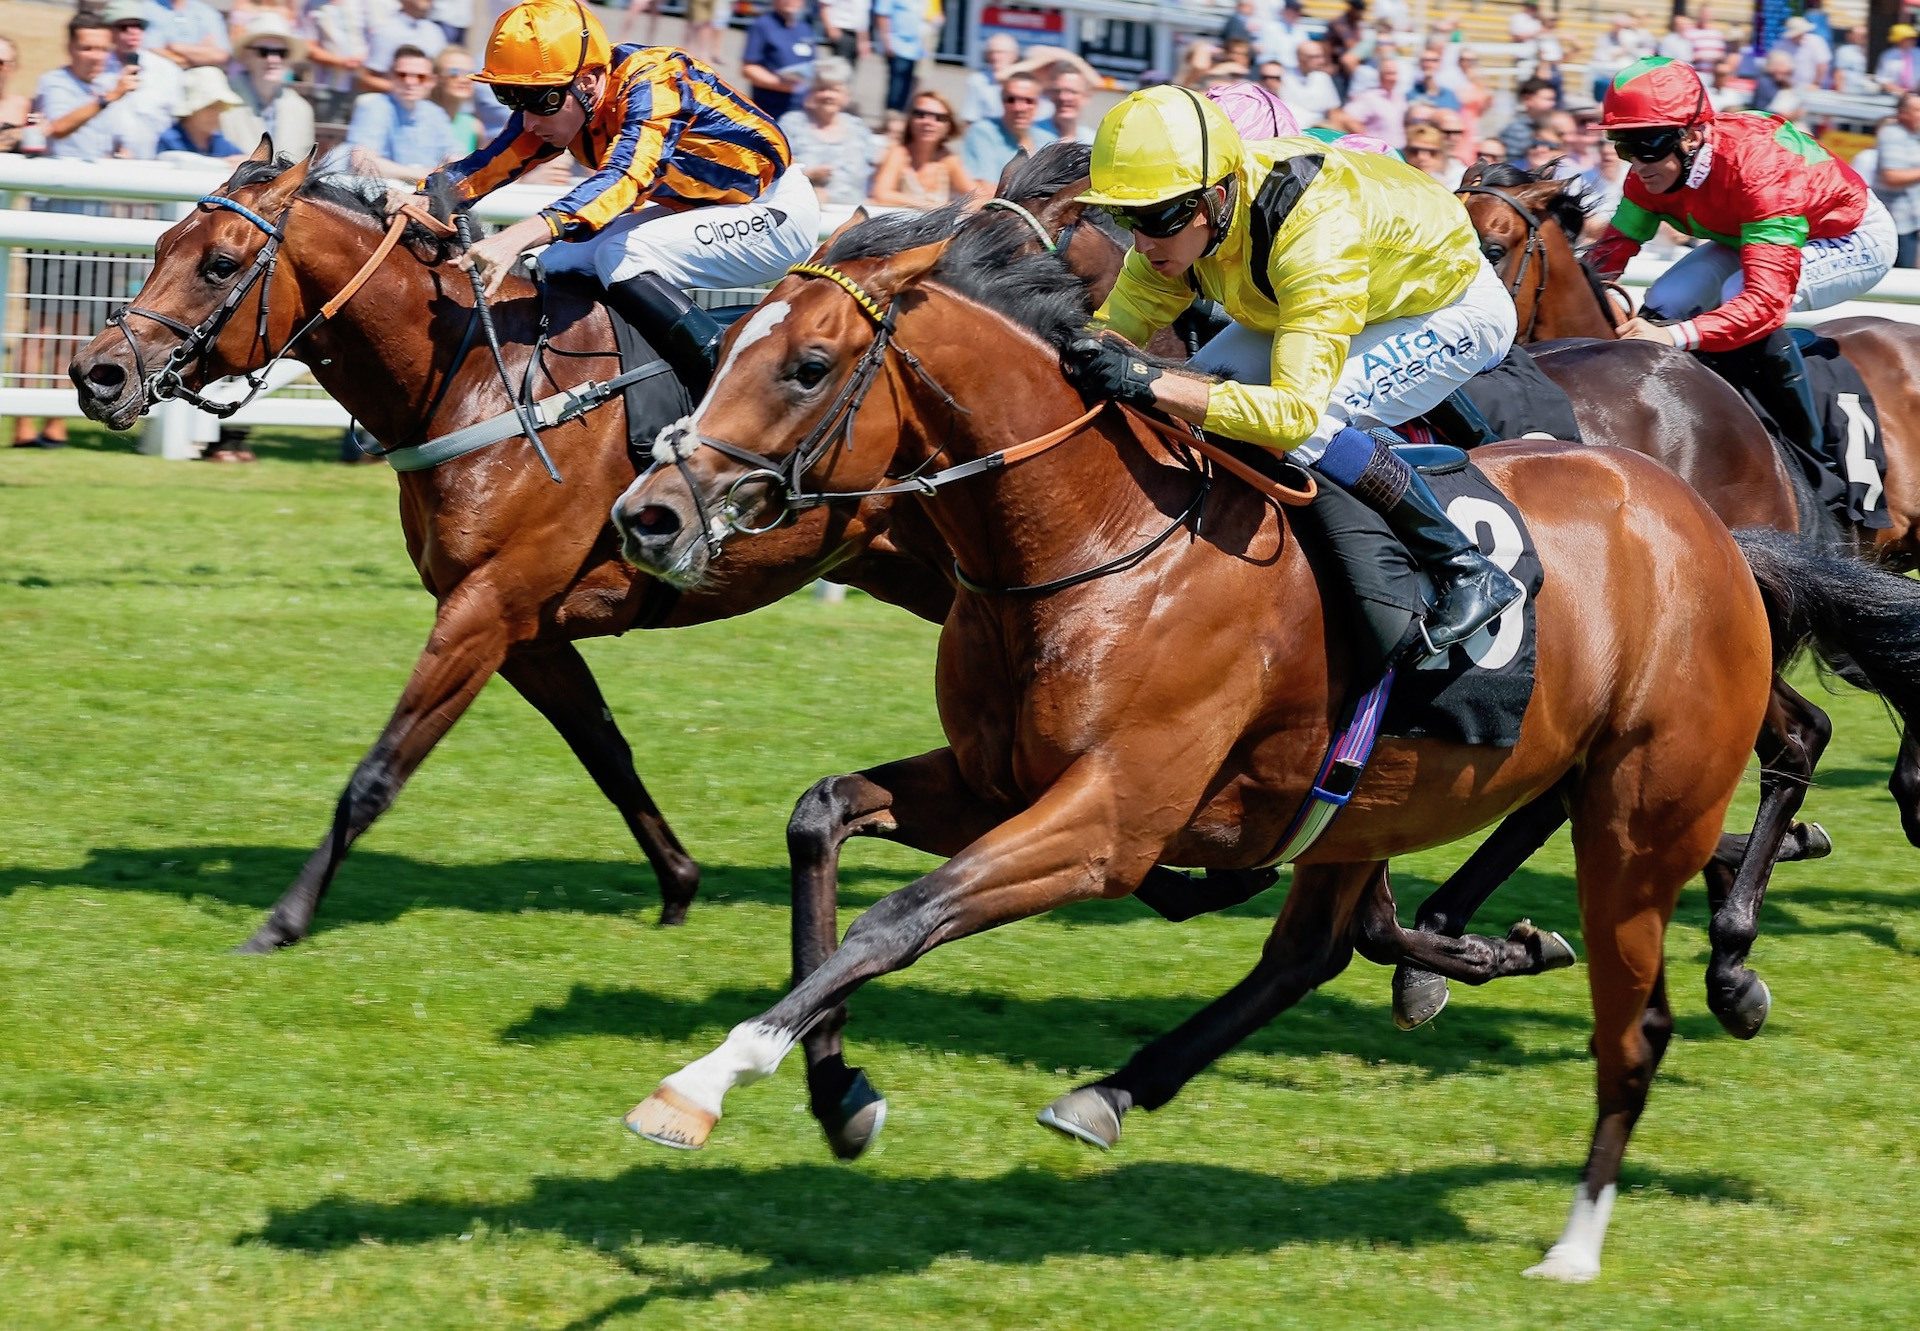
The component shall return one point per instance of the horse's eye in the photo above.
(809, 372)
(1494, 251)
(219, 268)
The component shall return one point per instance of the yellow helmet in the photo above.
(1158, 144)
(544, 42)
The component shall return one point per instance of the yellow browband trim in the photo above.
(868, 305)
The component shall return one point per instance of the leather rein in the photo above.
(1536, 245)
(196, 343)
(786, 477)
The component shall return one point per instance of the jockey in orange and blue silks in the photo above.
(1788, 227)
(1358, 297)
(692, 183)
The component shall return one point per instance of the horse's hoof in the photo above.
(1418, 996)
(1746, 1013)
(1563, 1264)
(1819, 844)
(856, 1121)
(1084, 1115)
(673, 913)
(672, 1120)
(1550, 952)
(266, 940)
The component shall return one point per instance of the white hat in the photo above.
(1797, 26)
(270, 27)
(201, 87)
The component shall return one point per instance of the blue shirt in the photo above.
(59, 92)
(906, 27)
(175, 140)
(420, 135)
(189, 23)
(987, 148)
(778, 48)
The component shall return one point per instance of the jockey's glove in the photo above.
(1107, 368)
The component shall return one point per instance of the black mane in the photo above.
(1567, 207)
(1045, 173)
(365, 196)
(987, 261)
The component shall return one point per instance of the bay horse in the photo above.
(1695, 423)
(521, 568)
(1124, 683)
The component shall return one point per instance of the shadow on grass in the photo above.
(1098, 1032)
(800, 1224)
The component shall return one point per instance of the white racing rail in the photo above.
(177, 430)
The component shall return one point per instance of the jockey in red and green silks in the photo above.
(1788, 225)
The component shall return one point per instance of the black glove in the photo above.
(1106, 368)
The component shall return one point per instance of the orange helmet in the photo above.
(544, 43)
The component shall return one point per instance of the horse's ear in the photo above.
(854, 219)
(264, 151)
(1540, 193)
(279, 191)
(907, 267)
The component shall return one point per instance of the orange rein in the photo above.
(413, 210)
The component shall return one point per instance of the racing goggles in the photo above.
(1646, 145)
(1159, 220)
(541, 100)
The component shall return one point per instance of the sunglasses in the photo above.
(941, 116)
(271, 52)
(1158, 220)
(1010, 100)
(1646, 146)
(540, 101)
(414, 78)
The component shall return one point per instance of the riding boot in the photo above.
(1458, 422)
(1469, 589)
(686, 336)
(1779, 380)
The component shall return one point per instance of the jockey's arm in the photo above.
(1632, 227)
(1142, 301)
(1770, 262)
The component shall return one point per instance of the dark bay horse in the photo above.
(520, 567)
(1177, 707)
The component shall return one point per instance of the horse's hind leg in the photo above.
(554, 677)
(1418, 993)
(1905, 786)
(919, 802)
(468, 643)
(1309, 945)
(1469, 958)
(1790, 746)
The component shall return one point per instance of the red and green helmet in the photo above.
(1656, 93)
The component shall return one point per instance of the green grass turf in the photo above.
(412, 1120)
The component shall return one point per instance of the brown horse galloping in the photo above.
(520, 567)
(1178, 707)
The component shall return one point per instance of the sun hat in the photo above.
(201, 87)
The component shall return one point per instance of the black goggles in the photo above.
(1159, 220)
(1646, 145)
(544, 100)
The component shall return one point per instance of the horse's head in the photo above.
(1528, 223)
(783, 421)
(202, 313)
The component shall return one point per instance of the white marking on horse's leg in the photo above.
(760, 323)
(1576, 1257)
(751, 1051)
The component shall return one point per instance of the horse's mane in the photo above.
(365, 196)
(1056, 167)
(986, 261)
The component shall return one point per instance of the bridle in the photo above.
(196, 343)
(1536, 245)
(786, 477)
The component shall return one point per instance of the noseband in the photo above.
(1536, 244)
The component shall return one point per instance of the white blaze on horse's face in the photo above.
(760, 323)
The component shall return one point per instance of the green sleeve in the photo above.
(1776, 231)
(1635, 222)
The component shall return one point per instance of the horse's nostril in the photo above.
(105, 377)
(654, 520)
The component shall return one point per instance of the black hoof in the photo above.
(1418, 996)
(1818, 844)
(854, 1123)
(673, 913)
(1087, 1115)
(1547, 950)
(1744, 1011)
(268, 938)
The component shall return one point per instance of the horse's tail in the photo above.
(1848, 611)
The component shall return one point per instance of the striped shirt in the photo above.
(669, 130)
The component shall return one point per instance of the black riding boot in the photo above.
(1469, 588)
(1459, 422)
(686, 336)
(1779, 380)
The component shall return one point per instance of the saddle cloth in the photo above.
(1847, 473)
(1519, 401)
(1478, 692)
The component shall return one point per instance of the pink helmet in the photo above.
(1258, 114)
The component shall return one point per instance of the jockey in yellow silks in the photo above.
(1359, 299)
(692, 184)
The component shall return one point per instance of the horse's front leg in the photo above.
(1082, 838)
(920, 802)
(555, 679)
(469, 640)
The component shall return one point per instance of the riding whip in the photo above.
(524, 410)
